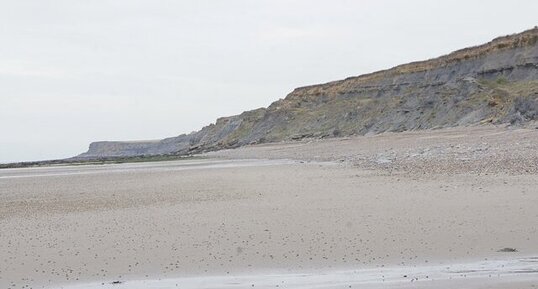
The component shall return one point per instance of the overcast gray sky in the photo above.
(77, 71)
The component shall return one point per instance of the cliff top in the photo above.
(525, 38)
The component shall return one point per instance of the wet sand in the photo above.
(519, 272)
(93, 225)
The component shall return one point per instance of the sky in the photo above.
(77, 71)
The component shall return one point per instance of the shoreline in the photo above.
(311, 214)
(496, 271)
(198, 164)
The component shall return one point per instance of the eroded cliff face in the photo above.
(492, 83)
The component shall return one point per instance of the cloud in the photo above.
(283, 34)
(12, 68)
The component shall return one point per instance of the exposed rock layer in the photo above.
(492, 83)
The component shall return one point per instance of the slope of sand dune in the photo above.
(393, 202)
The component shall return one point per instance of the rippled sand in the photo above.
(99, 224)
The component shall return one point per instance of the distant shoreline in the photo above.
(98, 161)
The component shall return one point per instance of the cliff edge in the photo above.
(496, 82)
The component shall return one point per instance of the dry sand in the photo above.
(373, 203)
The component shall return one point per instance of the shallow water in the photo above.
(130, 167)
(488, 271)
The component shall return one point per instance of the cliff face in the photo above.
(496, 82)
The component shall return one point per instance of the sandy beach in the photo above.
(388, 204)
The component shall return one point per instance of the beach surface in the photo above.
(454, 208)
